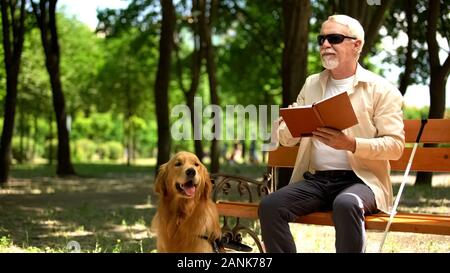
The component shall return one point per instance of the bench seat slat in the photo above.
(405, 222)
(425, 159)
(436, 131)
(283, 157)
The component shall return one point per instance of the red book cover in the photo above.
(334, 112)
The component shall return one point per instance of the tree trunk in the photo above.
(371, 18)
(46, 18)
(197, 143)
(8, 126)
(12, 52)
(409, 62)
(296, 16)
(162, 82)
(197, 56)
(372, 24)
(438, 77)
(211, 70)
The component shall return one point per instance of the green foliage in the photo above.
(82, 55)
(396, 26)
(98, 127)
(34, 82)
(114, 150)
(24, 153)
(5, 242)
(51, 145)
(83, 150)
(125, 85)
(415, 113)
(250, 52)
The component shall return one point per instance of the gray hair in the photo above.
(354, 27)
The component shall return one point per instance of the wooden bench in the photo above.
(433, 159)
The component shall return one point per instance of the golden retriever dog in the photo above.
(186, 219)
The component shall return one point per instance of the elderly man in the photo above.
(343, 171)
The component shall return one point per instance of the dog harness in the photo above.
(216, 244)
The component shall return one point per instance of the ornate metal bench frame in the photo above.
(249, 190)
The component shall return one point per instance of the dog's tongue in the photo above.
(189, 190)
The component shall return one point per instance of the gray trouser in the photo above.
(340, 191)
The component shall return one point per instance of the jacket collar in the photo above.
(361, 75)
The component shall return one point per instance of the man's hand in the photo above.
(335, 139)
(294, 104)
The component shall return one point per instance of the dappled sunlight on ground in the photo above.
(112, 212)
(439, 179)
(312, 238)
(103, 214)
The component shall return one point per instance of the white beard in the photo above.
(329, 61)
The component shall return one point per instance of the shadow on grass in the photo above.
(424, 199)
(109, 208)
(106, 209)
(101, 170)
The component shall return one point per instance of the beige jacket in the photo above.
(379, 134)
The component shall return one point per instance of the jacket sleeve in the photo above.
(389, 142)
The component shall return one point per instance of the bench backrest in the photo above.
(433, 159)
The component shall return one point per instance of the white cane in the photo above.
(405, 177)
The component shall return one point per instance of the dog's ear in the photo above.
(161, 178)
(207, 188)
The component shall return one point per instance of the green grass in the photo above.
(109, 208)
(106, 208)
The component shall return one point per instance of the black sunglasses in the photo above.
(332, 38)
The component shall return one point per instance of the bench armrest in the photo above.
(247, 189)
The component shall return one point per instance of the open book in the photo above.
(334, 112)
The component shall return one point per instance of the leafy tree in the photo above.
(185, 24)
(413, 56)
(425, 21)
(13, 29)
(34, 87)
(124, 81)
(45, 14)
(82, 56)
(437, 19)
(250, 51)
(207, 14)
(145, 17)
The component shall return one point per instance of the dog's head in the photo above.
(183, 176)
